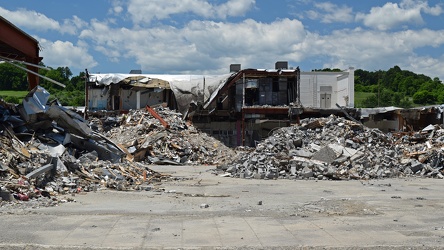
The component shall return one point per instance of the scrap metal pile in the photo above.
(47, 150)
(336, 148)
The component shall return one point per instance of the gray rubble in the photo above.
(47, 150)
(339, 149)
(146, 140)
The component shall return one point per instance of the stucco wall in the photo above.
(340, 85)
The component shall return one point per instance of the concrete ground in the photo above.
(206, 211)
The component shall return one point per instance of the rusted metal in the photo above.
(157, 116)
(16, 44)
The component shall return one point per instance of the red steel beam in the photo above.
(157, 116)
(18, 45)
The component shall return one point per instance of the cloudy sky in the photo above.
(205, 37)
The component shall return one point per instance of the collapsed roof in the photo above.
(188, 89)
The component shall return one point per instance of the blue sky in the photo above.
(205, 37)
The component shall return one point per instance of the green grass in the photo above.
(13, 95)
(16, 93)
(360, 96)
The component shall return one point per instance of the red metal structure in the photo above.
(16, 44)
(157, 116)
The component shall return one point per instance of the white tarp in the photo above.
(187, 89)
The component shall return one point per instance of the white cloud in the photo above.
(209, 46)
(199, 45)
(435, 11)
(30, 19)
(372, 50)
(234, 8)
(328, 12)
(71, 26)
(64, 53)
(143, 11)
(39, 22)
(113, 55)
(426, 65)
(393, 15)
(117, 7)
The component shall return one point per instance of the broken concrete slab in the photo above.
(326, 154)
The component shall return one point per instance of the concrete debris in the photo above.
(47, 150)
(147, 139)
(340, 149)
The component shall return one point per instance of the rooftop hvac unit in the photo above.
(281, 65)
(235, 67)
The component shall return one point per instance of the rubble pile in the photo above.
(146, 140)
(336, 148)
(47, 150)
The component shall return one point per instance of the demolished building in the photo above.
(239, 108)
(394, 119)
(49, 150)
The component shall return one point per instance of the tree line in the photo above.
(397, 87)
(14, 78)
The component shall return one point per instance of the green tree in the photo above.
(405, 103)
(370, 102)
(424, 97)
(12, 78)
(78, 82)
